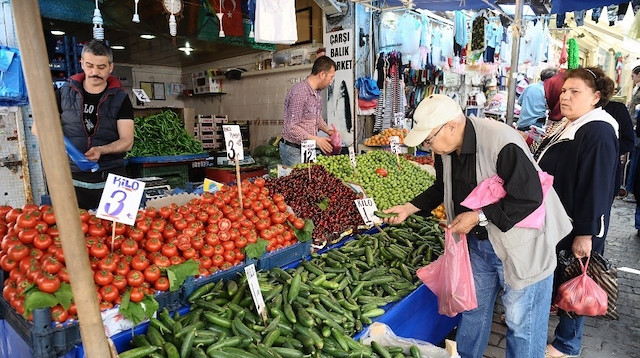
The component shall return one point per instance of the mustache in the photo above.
(96, 76)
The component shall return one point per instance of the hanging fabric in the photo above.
(13, 88)
(276, 22)
(574, 54)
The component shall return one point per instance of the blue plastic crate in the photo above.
(170, 300)
(192, 283)
(284, 256)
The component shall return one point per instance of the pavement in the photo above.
(602, 338)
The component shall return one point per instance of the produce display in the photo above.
(422, 159)
(380, 177)
(325, 200)
(162, 134)
(382, 138)
(312, 310)
(210, 233)
(267, 155)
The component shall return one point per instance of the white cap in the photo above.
(432, 112)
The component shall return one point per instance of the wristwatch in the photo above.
(482, 218)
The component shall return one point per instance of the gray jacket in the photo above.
(527, 255)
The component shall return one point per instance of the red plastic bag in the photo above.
(336, 141)
(450, 277)
(582, 295)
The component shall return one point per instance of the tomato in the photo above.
(197, 242)
(206, 251)
(189, 253)
(217, 260)
(164, 212)
(18, 252)
(151, 212)
(162, 284)
(180, 224)
(240, 242)
(183, 242)
(10, 290)
(122, 268)
(135, 233)
(162, 261)
(264, 214)
(224, 236)
(211, 239)
(169, 249)
(48, 283)
(139, 262)
(153, 244)
(278, 217)
(230, 256)
(109, 292)
(262, 224)
(27, 235)
(120, 282)
(287, 235)
(224, 224)
(299, 223)
(152, 273)
(282, 207)
(129, 247)
(12, 215)
(26, 220)
(135, 278)
(259, 182)
(59, 314)
(97, 230)
(103, 277)
(382, 172)
(257, 206)
(169, 232)
(84, 215)
(137, 294)
(99, 250)
(9, 240)
(7, 264)
(239, 254)
(4, 209)
(41, 227)
(52, 265)
(108, 264)
(176, 260)
(63, 275)
(144, 225)
(252, 237)
(266, 234)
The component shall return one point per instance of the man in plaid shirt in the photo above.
(303, 112)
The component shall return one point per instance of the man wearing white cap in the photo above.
(518, 260)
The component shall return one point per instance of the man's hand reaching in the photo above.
(324, 144)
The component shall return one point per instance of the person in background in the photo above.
(518, 260)
(97, 117)
(533, 103)
(635, 154)
(552, 90)
(626, 138)
(303, 112)
(581, 155)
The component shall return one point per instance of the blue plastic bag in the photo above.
(78, 157)
(13, 88)
(367, 88)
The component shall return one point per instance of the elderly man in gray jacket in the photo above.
(519, 260)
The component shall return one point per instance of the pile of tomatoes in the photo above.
(212, 230)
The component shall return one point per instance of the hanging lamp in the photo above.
(136, 17)
(98, 29)
(173, 7)
(220, 15)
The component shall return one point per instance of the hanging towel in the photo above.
(276, 22)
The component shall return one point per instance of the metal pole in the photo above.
(513, 71)
(56, 165)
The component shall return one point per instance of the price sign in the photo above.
(394, 142)
(233, 141)
(120, 199)
(308, 151)
(398, 120)
(366, 208)
(352, 157)
(141, 95)
(254, 287)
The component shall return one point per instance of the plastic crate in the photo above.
(284, 256)
(176, 174)
(44, 339)
(170, 300)
(191, 284)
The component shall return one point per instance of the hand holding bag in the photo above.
(582, 295)
(450, 277)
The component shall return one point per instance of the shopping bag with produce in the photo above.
(582, 295)
(450, 277)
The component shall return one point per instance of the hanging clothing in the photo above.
(478, 43)
(461, 28)
(408, 34)
(425, 33)
(276, 22)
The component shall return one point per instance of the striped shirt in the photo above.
(302, 113)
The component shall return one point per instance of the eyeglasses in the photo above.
(427, 142)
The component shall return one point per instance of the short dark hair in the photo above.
(98, 48)
(636, 70)
(596, 79)
(548, 73)
(322, 64)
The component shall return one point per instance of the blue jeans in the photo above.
(526, 310)
(631, 173)
(289, 155)
(569, 335)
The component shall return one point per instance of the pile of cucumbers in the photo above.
(311, 310)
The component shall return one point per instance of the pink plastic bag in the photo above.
(450, 277)
(491, 190)
(336, 141)
(582, 295)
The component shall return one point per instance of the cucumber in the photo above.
(170, 350)
(139, 352)
(383, 215)
(287, 352)
(187, 343)
(415, 352)
(380, 350)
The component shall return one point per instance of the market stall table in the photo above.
(173, 168)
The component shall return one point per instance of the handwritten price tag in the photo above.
(352, 157)
(398, 120)
(233, 141)
(120, 199)
(366, 208)
(308, 151)
(394, 143)
(254, 287)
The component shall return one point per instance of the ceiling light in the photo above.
(57, 32)
(186, 48)
(148, 36)
(117, 47)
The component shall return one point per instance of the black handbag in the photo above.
(600, 270)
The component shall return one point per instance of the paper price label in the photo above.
(398, 120)
(120, 199)
(352, 156)
(254, 287)
(141, 95)
(308, 151)
(366, 208)
(233, 142)
(394, 143)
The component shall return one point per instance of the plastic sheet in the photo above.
(383, 334)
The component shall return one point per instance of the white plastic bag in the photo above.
(383, 335)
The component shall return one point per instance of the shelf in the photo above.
(270, 71)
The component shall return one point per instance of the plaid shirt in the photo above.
(302, 113)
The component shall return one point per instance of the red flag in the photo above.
(232, 16)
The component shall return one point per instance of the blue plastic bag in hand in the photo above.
(78, 157)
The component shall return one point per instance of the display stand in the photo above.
(175, 169)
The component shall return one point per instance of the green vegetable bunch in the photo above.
(162, 134)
